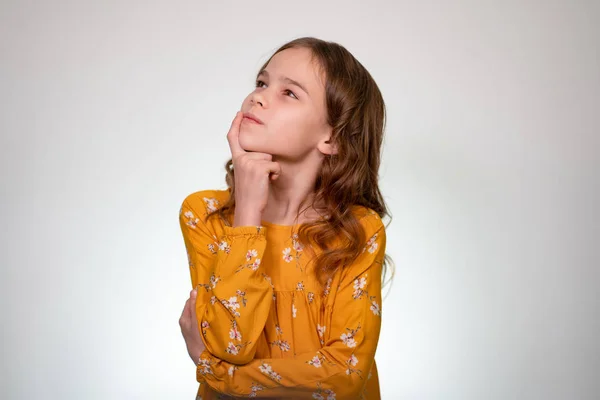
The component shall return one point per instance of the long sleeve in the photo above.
(339, 368)
(233, 297)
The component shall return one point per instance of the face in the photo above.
(293, 115)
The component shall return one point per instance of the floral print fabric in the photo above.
(270, 329)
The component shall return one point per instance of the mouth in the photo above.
(252, 118)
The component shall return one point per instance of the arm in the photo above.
(233, 297)
(341, 367)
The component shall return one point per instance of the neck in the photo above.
(291, 195)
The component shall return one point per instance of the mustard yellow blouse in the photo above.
(270, 330)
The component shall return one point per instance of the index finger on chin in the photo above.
(233, 135)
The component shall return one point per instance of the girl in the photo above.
(287, 264)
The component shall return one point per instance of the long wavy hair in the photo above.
(356, 113)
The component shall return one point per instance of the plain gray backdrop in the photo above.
(113, 111)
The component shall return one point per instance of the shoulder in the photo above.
(375, 234)
(204, 201)
(372, 251)
(369, 220)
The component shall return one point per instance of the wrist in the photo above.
(197, 355)
(247, 219)
(195, 351)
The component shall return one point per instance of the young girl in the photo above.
(287, 264)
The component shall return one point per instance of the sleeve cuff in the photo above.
(244, 230)
(203, 366)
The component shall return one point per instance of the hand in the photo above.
(253, 172)
(188, 323)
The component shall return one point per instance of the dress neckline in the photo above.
(278, 226)
(285, 227)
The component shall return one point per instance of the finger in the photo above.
(184, 313)
(233, 135)
(188, 304)
(273, 169)
(193, 304)
(253, 155)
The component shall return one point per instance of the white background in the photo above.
(113, 111)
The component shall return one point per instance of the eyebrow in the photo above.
(285, 79)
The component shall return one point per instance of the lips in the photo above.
(253, 118)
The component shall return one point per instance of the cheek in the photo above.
(304, 131)
(293, 123)
(244, 140)
(254, 137)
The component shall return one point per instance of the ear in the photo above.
(326, 146)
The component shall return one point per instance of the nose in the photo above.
(257, 98)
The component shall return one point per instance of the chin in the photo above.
(249, 144)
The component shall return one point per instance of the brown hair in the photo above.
(356, 112)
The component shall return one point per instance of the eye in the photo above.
(289, 91)
(259, 83)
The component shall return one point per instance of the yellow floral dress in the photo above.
(270, 330)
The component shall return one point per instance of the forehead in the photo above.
(297, 64)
